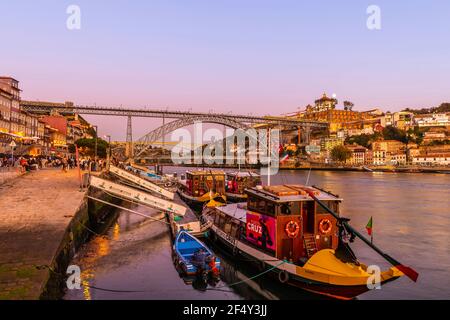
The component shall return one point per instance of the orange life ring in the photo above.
(292, 233)
(325, 226)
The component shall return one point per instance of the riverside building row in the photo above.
(35, 134)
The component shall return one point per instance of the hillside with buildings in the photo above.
(360, 138)
(373, 137)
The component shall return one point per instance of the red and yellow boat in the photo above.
(295, 234)
(202, 187)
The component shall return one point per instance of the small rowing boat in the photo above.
(193, 257)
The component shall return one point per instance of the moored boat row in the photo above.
(282, 229)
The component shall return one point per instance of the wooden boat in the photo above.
(237, 182)
(185, 248)
(284, 229)
(203, 187)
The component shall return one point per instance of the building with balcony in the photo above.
(432, 159)
(432, 120)
(401, 119)
(358, 154)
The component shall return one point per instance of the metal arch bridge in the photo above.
(38, 107)
(182, 119)
(144, 143)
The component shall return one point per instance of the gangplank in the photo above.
(143, 183)
(137, 196)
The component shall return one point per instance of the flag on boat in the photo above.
(283, 155)
(369, 227)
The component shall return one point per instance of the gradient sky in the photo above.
(244, 56)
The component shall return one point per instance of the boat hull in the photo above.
(236, 198)
(341, 292)
(192, 202)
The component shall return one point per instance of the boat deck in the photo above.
(288, 193)
(235, 210)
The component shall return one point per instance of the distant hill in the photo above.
(444, 107)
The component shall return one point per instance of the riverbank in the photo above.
(37, 213)
(291, 165)
(442, 170)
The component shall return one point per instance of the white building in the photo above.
(432, 120)
(430, 159)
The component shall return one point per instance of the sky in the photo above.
(245, 56)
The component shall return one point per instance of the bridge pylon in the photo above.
(129, 142)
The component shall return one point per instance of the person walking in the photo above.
(64, 164)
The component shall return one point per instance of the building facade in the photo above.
(432, 120)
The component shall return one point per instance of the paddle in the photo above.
(409, 272)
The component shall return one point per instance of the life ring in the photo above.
(325, 226)
(292, 224)
(283, 276)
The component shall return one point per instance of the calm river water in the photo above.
(411, 222)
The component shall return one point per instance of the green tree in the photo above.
(87, 147)
(340, 154)
(348, 105)
(392, 133)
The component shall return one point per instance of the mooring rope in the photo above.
(209, 289)
(255, 276)
(129, 210)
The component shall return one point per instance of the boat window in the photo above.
(319, 208)
(261, 206)
(221, 221)
(252, 201)
(234, 229)
(286, 208)
(227, 227)
(216, 219)
(270, 208)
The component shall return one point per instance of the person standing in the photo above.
(64, 164)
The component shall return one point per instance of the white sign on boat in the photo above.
(141, 182)
(137, 196)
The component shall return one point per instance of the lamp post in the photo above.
(95, 152)
(108, 159)
(12, 144)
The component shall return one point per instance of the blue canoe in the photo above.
(185, 247)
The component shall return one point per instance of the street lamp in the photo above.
(95, 152)
(12, 145)
(108, 160)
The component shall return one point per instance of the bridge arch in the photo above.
(144, 143)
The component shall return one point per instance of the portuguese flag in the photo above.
(369, 227)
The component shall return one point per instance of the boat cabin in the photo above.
(283, 221)
(237, 182)
(200, 182)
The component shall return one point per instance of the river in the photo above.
(411, 221)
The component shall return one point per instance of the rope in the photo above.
(104, 235)
(255, 276)
(126, 209)
(210, 289)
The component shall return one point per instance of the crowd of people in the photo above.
(29, 163)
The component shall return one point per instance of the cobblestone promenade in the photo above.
(35, 209)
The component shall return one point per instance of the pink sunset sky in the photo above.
(259, 57)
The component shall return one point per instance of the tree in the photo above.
(364, 140)
(340, 154)
(348, 105)
(87, 147)
(392, 133)
(414, 135)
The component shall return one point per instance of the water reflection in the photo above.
(411, 217)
